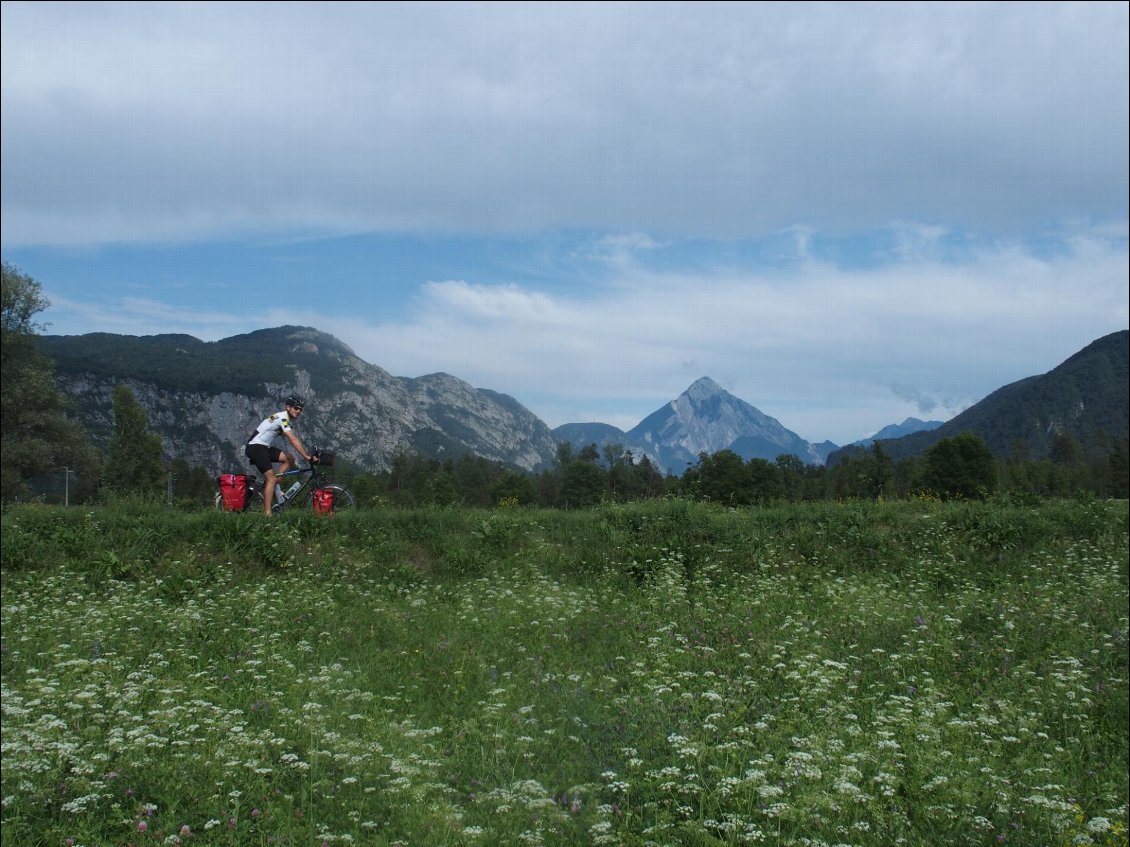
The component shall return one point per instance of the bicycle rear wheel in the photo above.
(254, 501)
(343, 501)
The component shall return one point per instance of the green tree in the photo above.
(623, 483)
(1017, 475)
(133, 463)
(791, 474)
(908, 475)
(576, 480)
(192, 484)
(517, 486)
(583, 483)
(420, 480)
(1071, 469)
(961, 467)
(36, 436)
(722, 477)
(764, 481)
(564, 455)
(1065, 450)
(589, 453)
(368, 490)
(439, 488)
(548, 486)
(649, 481)
(473, 476)
(880, 470)
(1118, 470)
(849, 478)
(398, 474)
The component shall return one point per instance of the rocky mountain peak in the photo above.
(292, 339)
(705, 419)
(704, 388)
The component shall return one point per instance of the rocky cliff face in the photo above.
(499, 426)
(360, 411)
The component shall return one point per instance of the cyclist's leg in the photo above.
(286, 463)
(285, 460)
(270, 483)
(263, 458)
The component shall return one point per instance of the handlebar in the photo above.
(322, 457)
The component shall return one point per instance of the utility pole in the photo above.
(169, 489)
(66, 486)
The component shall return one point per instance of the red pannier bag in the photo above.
(233, 489)
(324, 501)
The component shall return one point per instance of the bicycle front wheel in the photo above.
(342, 500)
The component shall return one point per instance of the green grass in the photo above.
(667, 673)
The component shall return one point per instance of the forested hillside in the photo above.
(1084, 401)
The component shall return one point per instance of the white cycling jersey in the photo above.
(270, 429)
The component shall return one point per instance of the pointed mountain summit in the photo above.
(705, 419)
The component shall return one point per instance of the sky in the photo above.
(844, 214)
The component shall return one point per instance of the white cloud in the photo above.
(824, 343)
(139, 316)
(137, 122)
(833, 353)
(661, 125)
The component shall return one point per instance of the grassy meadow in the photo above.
(666, 673)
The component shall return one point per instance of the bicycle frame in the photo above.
(312, 474)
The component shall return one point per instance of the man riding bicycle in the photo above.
(263, 453)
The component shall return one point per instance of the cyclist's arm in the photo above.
(302, 451)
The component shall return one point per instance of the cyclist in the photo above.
(263, 452)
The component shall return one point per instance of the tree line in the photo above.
(961, 467)
(44, 449)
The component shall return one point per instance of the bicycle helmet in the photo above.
(295, 401)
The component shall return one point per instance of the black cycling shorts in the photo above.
(263, 457)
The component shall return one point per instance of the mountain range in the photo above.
(204, 398)
(703, 419)
(907, 427)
